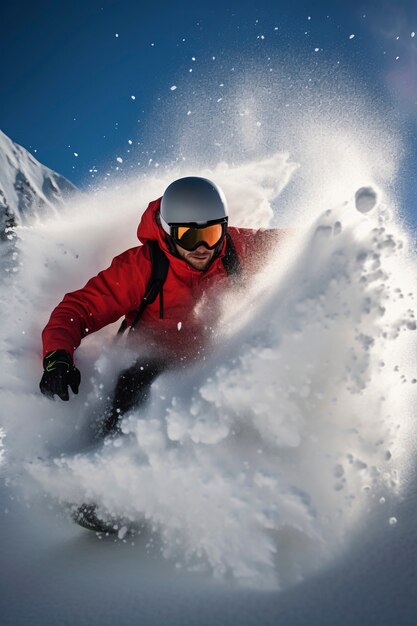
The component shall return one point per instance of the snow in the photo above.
(365, 199)
(27, 187)
(276, 464)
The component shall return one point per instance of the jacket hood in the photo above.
(149, 229)
(148, 226)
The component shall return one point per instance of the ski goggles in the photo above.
(190, 237)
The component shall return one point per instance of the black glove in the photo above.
(59, 372)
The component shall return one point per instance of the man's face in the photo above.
(198, 258)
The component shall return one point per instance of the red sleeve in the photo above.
(105, 298)
(255, 245)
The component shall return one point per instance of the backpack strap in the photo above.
(159, 271)
(160, 265)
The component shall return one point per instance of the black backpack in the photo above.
(160, 265)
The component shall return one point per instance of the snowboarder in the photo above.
(165, 289)
(188, 254)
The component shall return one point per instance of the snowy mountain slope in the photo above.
(26, 186)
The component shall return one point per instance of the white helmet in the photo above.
(194, 212)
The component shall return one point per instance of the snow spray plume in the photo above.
(288, 435)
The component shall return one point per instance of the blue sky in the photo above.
(87, 77)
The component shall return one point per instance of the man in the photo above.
(188, 228)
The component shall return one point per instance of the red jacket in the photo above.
(188, 294)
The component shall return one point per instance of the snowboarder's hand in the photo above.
(59, 373)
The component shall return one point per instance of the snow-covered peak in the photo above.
(26, 186)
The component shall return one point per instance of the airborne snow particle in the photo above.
(75, 153)
(129, 141)
(179, 325)
(192, 58)
(122, 532)
(316, 49)
(338, 471)
(188, 112)
(365, 199)
(173, 87)
(392, 521)
(413, 34)
(352, 36)
(117, 34)
(133, 97)
(119, 159)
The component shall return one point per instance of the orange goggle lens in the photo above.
(190, 238)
